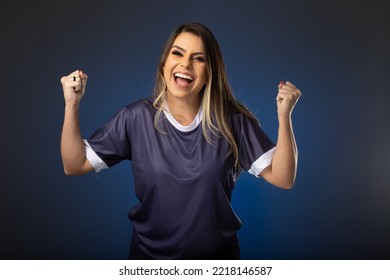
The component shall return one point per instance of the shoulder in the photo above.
(238, 113)
(246, 126)
(140, 107)
(240, 120)
(137, 110)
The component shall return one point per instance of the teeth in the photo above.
(180, 75)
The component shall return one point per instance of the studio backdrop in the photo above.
(336, 52)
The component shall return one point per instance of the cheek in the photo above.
(204, 76)
(166, 72)
(167, 68)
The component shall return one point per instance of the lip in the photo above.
(183, 73)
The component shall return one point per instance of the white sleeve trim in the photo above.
(97, 163)
(262, 162)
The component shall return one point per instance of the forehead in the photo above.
(189, 42)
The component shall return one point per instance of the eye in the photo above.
(200, 58)
(177, 53)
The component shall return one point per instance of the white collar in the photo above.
(177, 125)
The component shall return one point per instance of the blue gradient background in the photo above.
(336, 52)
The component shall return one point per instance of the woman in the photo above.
(187, 145)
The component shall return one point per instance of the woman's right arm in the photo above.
(73, 152)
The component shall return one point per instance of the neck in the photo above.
(183, 110)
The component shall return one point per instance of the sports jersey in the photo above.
(183, 182)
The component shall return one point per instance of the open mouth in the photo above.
(183, 80)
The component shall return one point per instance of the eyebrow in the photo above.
(180, 48)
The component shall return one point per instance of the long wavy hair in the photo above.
(217, 96)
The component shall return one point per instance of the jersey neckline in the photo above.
(177, 125)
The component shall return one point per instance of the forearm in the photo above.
(282, 171)
(283, 168)
(72, 145)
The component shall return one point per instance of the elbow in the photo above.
(286, 181)
(69, 172)
(283, 178)
(288, 184)
(74, 168)
(285, 184)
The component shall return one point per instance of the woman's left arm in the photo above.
(282, 171)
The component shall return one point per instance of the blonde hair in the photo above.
(217, 96)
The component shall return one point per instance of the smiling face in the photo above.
(185, 69)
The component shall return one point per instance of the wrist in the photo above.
(284, 118)
(72, 105)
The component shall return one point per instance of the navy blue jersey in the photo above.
(183, 182)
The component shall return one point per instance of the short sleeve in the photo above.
(110, 142)
(255, 148)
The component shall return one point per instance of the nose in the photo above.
(186, 63)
